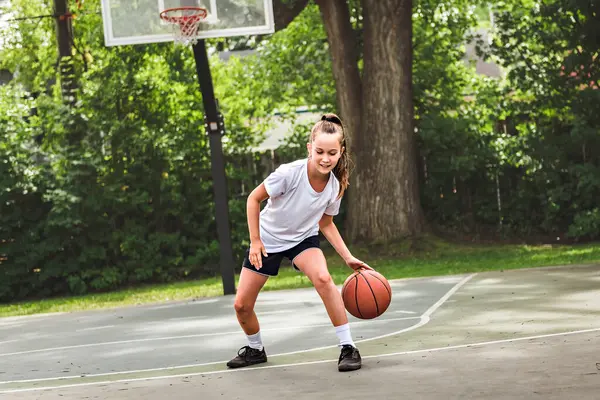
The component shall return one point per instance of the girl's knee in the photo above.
(241, 307)
(323, 281)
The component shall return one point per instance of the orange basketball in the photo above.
(367, 294)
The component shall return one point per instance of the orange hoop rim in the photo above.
(200, 14)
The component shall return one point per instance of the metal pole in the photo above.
(215, 128)
(65, 54)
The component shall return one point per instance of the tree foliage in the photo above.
(550, 51)
(117, 190)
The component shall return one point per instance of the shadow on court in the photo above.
(514, 334)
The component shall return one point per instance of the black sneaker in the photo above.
(248, 356)
(349, 359)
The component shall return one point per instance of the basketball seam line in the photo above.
(384, 285)
(372, 292)
(356, 296)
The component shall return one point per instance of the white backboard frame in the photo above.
(110, 40)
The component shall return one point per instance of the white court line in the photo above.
(240, 370)
(199, 335)
(198, 317)
(423, 320)
(203, 364)
(179, 304)
(403, 312)
(277, 312)
(21, 318)
(95, 328)
(259, 313)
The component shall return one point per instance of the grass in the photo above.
(431, 258)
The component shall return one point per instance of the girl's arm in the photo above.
(257, 248)
(332, 234)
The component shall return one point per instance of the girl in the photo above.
(303, 196)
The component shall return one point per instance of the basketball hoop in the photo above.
(185, 22)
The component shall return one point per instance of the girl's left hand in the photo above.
(356, 264)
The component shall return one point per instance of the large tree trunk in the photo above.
(385, 204)
(344, 56)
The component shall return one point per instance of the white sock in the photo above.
(343, 334)
(255, 341)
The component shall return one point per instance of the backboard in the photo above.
(138, 21)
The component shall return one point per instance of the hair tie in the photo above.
(332, 119)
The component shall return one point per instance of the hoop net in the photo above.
(185, 22)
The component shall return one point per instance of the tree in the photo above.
(384, 198)
(371, 48)
(371, 53)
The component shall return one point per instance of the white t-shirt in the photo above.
(294, 208)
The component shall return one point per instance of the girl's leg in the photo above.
(312, 262)
(249, 286)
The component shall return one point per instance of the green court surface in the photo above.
(495, 335)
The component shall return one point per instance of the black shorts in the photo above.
(271, 263)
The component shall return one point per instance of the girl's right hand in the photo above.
(256, 250)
